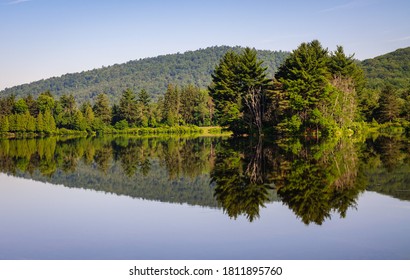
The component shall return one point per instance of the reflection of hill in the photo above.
(170, 170)
(387, 167)
(315, 180)
(155, 186)
(395, 183)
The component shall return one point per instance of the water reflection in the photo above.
(314, 180)
(242, 187)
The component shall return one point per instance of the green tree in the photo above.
(49, 122)
(6, 105)
(20, 107)
(144, 102)
(66, 112)
(172, 106)
(88, 114)
(128, 107)
(40, 122)
(389, 105)
(79, 122)
(239, 88)
(45, 101)
(30, 122)
(405, 110)
(225, 90)
(4, 123)
(304, 87)
(32, 105)
(102, 108)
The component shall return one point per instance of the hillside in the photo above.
(152, 74)
(393, 68)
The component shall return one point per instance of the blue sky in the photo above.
(45, 38)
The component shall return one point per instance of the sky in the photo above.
(45, 38)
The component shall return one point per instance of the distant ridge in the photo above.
(152, 74)
(392, 68)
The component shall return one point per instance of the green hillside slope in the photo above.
(393, 68)
(152, 74)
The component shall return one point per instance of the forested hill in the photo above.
(151, 74)
(393, 68)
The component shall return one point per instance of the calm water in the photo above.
(204, 198)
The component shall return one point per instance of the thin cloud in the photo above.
(15, 2)
(348, 5)
(400, 39)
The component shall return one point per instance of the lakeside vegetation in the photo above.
(314, 92)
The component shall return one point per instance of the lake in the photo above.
(204, 198)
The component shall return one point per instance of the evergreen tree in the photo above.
(66, 110)
(88, 115)
(102, 108)
(30, 122)
(389, 105)
(6, 105)
(225, 90)
(4, 123)
(144, 98)
(32, 105)
(239, 86)
(172, 105)
(255, 86)
(49, 122)
(304, 86)
(40, 122)
(128, 107)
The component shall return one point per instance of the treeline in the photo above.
(180, 106)
(315, 92)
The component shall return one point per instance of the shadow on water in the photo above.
(314, 180)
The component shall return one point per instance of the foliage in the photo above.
(151, 74)
(391, 68)
(316, 92)
(239, 86)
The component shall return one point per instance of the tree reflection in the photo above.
(315, 180)
(312, 179)
(241, 185)
(320, 178)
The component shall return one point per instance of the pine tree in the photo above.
(30, 122)
(225, 89)
(303, 87)
(4, 124)
(128, 107)
(172, 105)
(102, 108)
(389, 105)
(255, 86)
(32, 105)
(144, 98)
(88, 115)
(40, 122)
(143, 107)
(239, 86)
(49, 122)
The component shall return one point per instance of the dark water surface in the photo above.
(204, 198)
